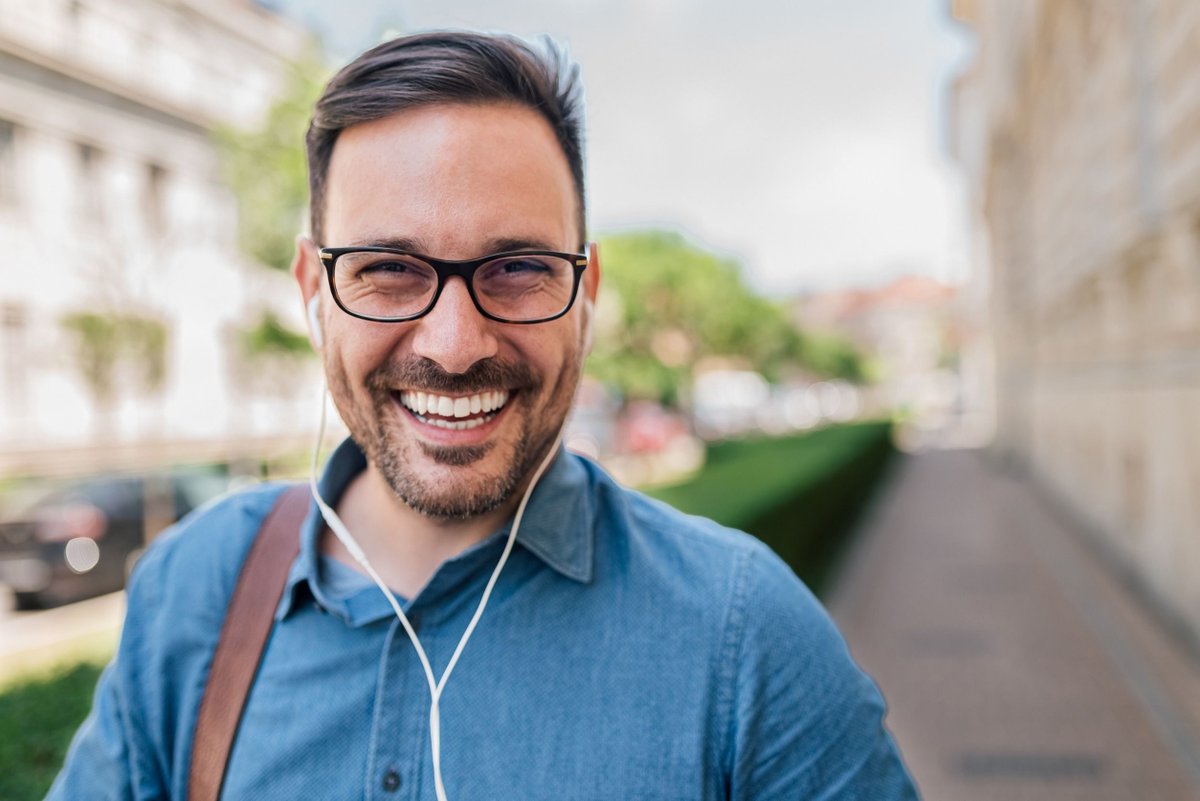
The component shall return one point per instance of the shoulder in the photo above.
(180, 588)
(205, 550)
(176, 601)
(767, 635)
(703, 553)
(719, 578)
(773, 622)
(766, 606)
(632, 512)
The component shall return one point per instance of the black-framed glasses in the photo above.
(386, 285)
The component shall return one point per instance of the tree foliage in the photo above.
(271, 338)
(666, 304)
(108, 345)
(834, 357)
(267, 172)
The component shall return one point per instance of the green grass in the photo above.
(38, 716)
(800, 494)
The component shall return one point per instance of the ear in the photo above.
(591, 285)
(591, 276)
(307, 269)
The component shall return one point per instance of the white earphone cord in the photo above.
(347, 539)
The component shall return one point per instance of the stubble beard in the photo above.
(393, 453)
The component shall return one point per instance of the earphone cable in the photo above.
(347, 539)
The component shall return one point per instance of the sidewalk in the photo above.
(1014, 665)
(35, 640)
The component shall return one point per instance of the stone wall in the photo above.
(1084, 165)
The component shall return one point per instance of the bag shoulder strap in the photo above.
(248, 622)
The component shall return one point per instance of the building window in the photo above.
(90, 194)
(155, 199)
(8, 162)
(14, 356)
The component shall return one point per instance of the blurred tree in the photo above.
(108, 343)
(266, 168)
(269, 338)
(96, 351)
(667, 304)
(833, 356)
(271, 359)
(145, 341)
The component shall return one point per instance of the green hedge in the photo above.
(801, 495)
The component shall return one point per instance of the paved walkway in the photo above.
(32, 641)
(1014, 665)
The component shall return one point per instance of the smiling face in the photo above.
(453, 410)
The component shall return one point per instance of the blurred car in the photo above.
(645, 427)
(80, 538)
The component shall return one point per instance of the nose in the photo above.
(454, 334)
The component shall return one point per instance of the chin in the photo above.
(452, 482)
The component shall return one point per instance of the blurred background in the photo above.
(909, 289)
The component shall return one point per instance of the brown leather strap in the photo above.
(248, 622)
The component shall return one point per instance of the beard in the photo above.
(472, 493)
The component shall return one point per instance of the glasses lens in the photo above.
(383, 284)
(525, 287)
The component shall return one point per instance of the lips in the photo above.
(454, 412)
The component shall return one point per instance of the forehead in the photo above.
(451, 177)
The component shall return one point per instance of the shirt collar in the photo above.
(558, 526)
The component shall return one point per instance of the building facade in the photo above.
(920, 336)
(122, 292)
(1078, 126)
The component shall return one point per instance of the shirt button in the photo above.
(391, 781)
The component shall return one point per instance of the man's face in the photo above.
(451, 182)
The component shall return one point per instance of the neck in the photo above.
(405, 547)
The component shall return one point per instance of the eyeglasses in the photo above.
(393, 286)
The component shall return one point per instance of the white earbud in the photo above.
(314, 324)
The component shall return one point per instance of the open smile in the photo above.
(455, 413)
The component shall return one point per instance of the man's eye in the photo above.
(386, 267)
(525, 265)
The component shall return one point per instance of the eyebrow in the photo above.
(497, 245)
(395, 242)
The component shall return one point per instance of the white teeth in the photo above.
(444, 406)
(458, 425)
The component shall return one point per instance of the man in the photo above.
(627, 651)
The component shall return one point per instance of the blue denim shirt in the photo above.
(628, 652)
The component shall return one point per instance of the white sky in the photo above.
(803, 138)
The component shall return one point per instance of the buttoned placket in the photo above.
(399, 727)
(399, 765)
(398, 762)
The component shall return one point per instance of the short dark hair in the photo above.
(447, 67)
